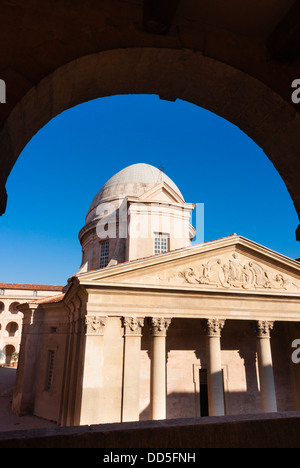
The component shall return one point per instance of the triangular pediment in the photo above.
(228, 265)
(162, 193)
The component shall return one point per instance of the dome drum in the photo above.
(137, 206)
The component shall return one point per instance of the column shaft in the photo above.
(158, 381)
(265, 366)
(216, 402)
(131, 371)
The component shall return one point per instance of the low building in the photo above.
(11, 295)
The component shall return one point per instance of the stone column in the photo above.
(158, 382)
(265, 365)
(92, 378)
(131, 371)
(213, 328)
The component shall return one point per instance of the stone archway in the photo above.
(246, 102)
(12, 329)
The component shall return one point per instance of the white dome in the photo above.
(132, 181)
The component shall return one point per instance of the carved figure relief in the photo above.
(233, 273)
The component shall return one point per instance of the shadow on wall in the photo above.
(186, 347)
(187, 405)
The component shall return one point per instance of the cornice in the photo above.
(211, 246)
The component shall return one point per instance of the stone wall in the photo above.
(279, 430)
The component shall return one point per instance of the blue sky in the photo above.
(63, 167)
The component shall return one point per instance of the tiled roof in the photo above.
(49, 300)
(31, 287)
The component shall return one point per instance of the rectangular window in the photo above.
(104, 254)
(50, 368)
(161, 243)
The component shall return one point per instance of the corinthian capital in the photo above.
(95, 325)
(159, 326)
(213, 327)
(263, 328)
(133, 326)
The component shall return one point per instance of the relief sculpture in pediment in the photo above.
(234, 273)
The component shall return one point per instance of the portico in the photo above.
(158, 373)
(146, 302)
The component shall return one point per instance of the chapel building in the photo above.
(154, 327)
